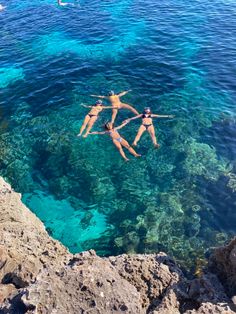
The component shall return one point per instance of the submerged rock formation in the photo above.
(39, 275)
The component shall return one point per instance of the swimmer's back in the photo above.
(114, 99)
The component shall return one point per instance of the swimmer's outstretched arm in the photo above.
(85, 106)
(121, 126)
(109, 107)
(92, 133)
(124, 93)
(162, 116)
(99, 96)
(135, 117)
(103, 107)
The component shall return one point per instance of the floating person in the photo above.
(118, 141)
(92, 116)
(59, 2)
(2, 7)
(116, 103)
(147, 125)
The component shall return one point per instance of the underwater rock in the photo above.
(232, 181)
(202, 160)
(38, 274)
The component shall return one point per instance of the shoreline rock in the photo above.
(39, 275)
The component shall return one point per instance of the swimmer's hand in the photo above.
(85, 106)
(124, 93)
(126, 121)
(171, 116)
(99, 96)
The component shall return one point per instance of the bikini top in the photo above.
(114, 130)
(146, 115)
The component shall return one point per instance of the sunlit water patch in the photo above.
(73, 225)
(9, 75)
(180, 198)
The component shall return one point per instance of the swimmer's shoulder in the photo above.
(114, 97)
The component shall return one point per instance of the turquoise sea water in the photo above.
(177, 56)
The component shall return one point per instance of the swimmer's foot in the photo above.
(138, 155)
(157, 145)
(79, 135)
(85, 135)
(126, 159)
(134, 144)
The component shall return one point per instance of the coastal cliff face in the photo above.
(39, 275)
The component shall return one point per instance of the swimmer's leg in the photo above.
(90, 125)
(151, 131)
(139, 134)
(126, 106)
(130, 149)
(86, 120)
(119, 147)
(114, 114)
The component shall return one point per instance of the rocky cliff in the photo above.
(39, 275)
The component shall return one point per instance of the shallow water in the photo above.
(177, 57)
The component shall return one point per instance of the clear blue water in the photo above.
(179, 57)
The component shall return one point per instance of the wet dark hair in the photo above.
(106, 126)
(111, 93)
(98, 102)
(147, 109)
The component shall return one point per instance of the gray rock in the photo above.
(39, 275)
(223, 263)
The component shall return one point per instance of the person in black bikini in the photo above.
(92, 116)
(117, 140)
(147, 125)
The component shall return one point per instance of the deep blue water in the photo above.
(177, 56)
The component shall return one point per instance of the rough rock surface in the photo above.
(38, 275)
(156, 277)
(223, 263)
